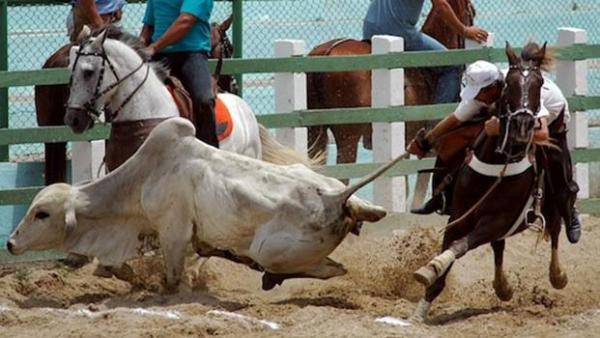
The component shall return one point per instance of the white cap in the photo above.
(479, 75)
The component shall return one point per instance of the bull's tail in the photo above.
(276, 153)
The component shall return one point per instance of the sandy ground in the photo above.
(374, 299)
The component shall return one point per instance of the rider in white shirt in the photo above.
(484, 84)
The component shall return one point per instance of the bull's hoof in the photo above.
(124, 273)
(269, 281)
(103, 272)
(504, 292)
(75, 261)
(559, 281)
(426, 275)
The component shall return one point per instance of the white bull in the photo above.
(283, 220)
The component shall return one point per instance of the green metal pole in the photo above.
(4, 66)
(238, 21)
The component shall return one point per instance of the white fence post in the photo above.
(571, 77)
(387, 89)
(290, 95)
(86, 160)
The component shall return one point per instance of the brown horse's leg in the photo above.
(434, 274)
(503, 289)
(55, 155)
(346, 139)
(317, 142)
(558, 277)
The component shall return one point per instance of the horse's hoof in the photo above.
(426, 275)
(504, 292)
(559, 281)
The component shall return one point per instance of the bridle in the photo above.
(89, 106)
(507, 116)
(226, 52)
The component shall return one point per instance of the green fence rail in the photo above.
(324, 63)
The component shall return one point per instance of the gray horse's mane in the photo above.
(117, 33)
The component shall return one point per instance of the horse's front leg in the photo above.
(501, 285)
(433, 274)
(558, 277)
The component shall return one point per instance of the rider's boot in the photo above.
(434, 204)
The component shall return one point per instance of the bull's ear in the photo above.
(70, 218)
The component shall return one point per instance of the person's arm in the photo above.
(473, 33)
(146, 34)
(422, 142)
(90, 12)
(176, 32)
(542, 134)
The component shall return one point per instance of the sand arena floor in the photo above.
(373, 299)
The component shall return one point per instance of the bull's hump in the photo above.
(173, 128)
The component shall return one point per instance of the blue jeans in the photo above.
(448, 85)
(191, 68)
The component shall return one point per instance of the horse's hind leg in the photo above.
(503, 289)
(317, 142)
(55, 162)
(558, 277)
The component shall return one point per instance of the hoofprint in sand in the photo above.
(374, 299)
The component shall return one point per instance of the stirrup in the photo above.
(538, 223)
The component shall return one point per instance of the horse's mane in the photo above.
(117, 33)
(531, 52)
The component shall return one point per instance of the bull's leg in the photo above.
(558, 277)
(285, 253)
(173, 245)
(503, 289)
(326, 269)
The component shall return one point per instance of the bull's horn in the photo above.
(343, 195)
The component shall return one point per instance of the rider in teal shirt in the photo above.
(178, 34)
(161, 14)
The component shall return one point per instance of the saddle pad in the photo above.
(223, 120)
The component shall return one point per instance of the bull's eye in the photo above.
(41, 215)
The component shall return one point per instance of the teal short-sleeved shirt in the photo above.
(162, 13)
(391, 14)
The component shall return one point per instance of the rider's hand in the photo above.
(150, 50)
(419, 146)
(492, 126)
(476, 33)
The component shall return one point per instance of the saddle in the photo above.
(181, 96)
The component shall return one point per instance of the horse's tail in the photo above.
(276, 153)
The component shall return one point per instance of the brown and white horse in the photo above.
(496, 189)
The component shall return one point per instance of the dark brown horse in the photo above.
(496, 189)
(353, 89)
(50, 100)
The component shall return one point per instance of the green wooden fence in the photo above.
(309, 117)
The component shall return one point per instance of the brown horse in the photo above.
(50, 100)
(495, 190)
(353, 89)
